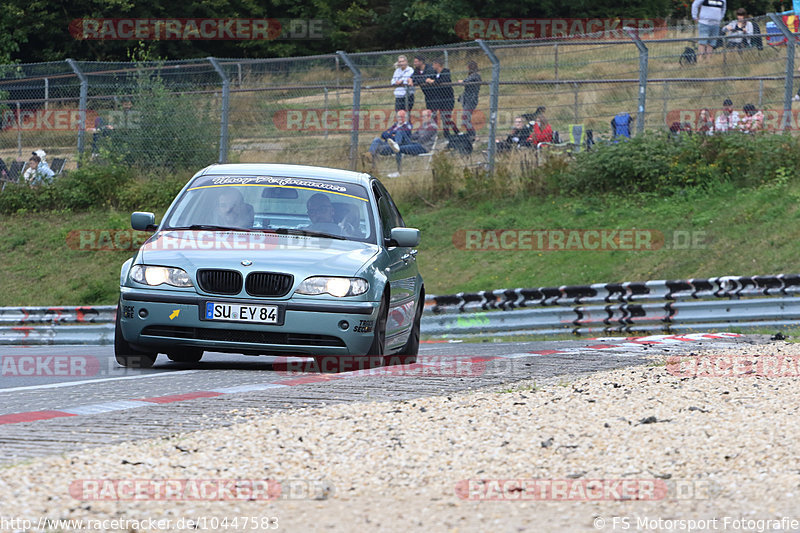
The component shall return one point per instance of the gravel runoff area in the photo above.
(663, 447)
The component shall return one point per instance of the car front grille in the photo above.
(252, 337)
(220, 281)
(268, 284)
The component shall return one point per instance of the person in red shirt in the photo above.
(542, 132)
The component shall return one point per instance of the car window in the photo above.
(266, 203)
(387, 210)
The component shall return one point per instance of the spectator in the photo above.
(385, 144)
(469, 99)
(739, 27)
(420, 141)
(403, 85)
(517, 137)
(708, 14)
(443, 98)
(99, 131)
(43, 168)
(423, 71)
(542, 132)
(727, 120)
(37, 171)
(705, 124)
(753, 119)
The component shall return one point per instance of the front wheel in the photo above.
(378, 346)
(125, 354)
(408, 355)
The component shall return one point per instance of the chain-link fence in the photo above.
(328, 109)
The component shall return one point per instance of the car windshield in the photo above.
(275, 204)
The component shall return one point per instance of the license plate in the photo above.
(261, 314)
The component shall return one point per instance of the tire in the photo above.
(186, 355)
(408, 355)
(125, 354)
(378, 346)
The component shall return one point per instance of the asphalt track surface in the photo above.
(55, 399)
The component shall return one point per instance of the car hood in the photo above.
(299, 255)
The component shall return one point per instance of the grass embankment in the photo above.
(747, 232)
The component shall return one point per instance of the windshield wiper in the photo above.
(209, 227)
(290, 231)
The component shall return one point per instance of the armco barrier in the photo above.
(661, 305)
(701, 304)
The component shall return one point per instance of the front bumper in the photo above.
(172, 319)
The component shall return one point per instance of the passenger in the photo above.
(320, 213)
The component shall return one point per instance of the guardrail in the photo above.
(704, 304)
(701, 304)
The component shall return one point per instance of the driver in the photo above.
(231, 209)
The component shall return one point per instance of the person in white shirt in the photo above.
(728, 119)
(708, 14)
(403, 85)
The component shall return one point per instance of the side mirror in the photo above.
(143, 221)
(403, 237)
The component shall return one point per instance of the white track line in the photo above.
(88, 381)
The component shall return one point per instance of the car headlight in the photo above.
(157, 275)
(334, 286)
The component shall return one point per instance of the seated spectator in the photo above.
(739, 28)
(385, 144)
(518, 136)
(705, 124)
(419, 142)
(753, 119)
(542, 132)
(727, 120)
(37, 171)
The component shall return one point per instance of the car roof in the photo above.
(287, 171)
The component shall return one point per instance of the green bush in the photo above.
(663, 164)
(95, 186)
(164, 130)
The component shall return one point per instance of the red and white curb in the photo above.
(629, 344)
(637, 344)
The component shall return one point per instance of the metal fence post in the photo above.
(356, 108)
(494, 90)
(555, 60)
(642, 78)
(575, 101)
(789, 84)
(19, 130)
(223, 126)
(81, 105)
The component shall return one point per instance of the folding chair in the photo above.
(58, 165)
